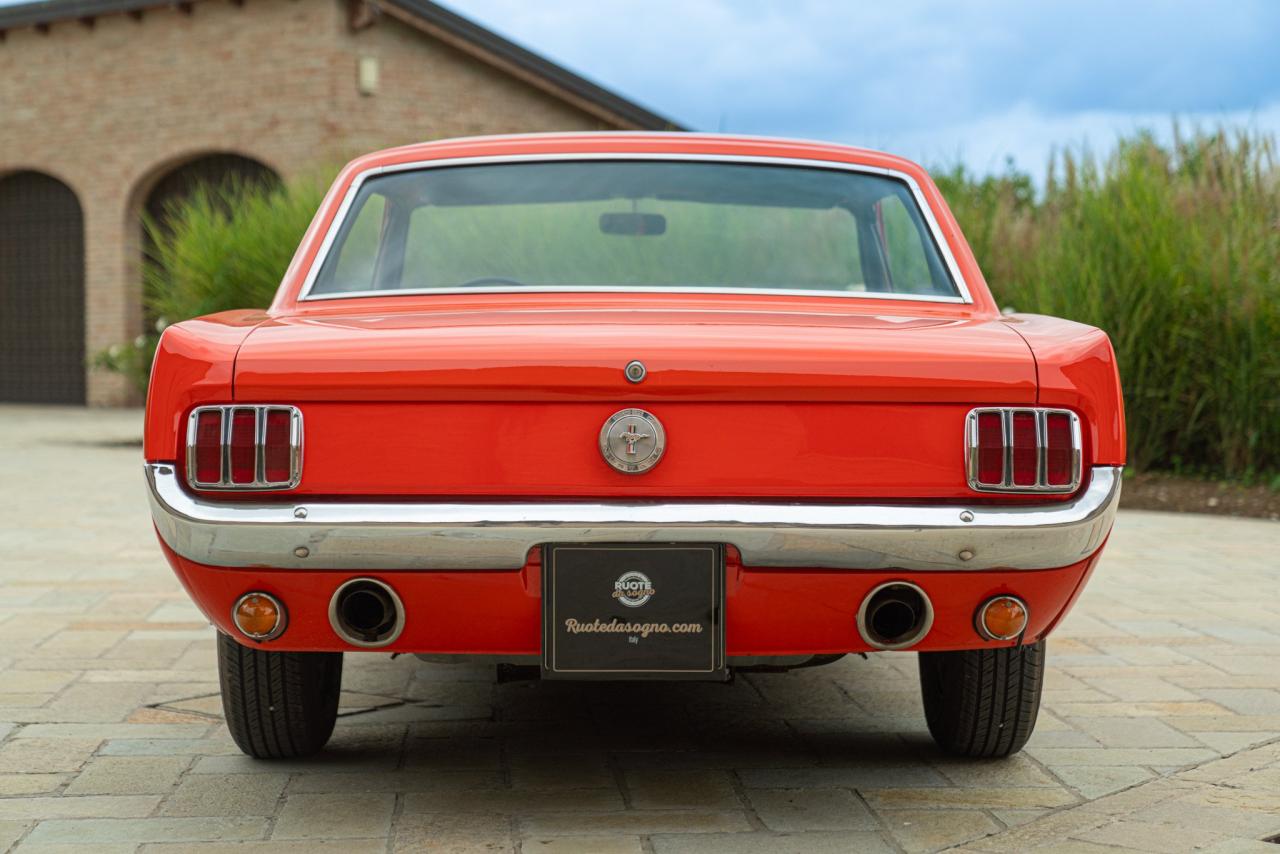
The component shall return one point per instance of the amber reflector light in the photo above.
(243, 454)
(258, 615)
(209, 447)
(1002, 618)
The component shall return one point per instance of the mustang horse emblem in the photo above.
(620, 439)
(631, 436)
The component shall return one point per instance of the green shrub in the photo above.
(1175, 251)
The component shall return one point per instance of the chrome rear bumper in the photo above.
(499, 535)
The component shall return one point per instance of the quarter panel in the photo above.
(1077, 369)
(194, 363)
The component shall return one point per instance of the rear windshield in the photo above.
(634, 225)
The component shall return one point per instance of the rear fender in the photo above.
(195, 363)
(1076, 369)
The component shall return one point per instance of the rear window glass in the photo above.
(634, 224)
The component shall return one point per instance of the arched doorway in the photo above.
(179, 184)
(212, 170)
(41, 290)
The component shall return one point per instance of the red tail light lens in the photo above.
(1023, 450)
(990, 448)
(244, 455)
(276, 448)
(1059, 455)
(261, 446)
(1026, 453)
(208, 446)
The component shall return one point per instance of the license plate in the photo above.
(633, 611)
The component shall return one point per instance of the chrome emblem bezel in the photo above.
(632, 441)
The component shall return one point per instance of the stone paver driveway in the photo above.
(111, 740)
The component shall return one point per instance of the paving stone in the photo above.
(929, 830)
(1015, 818)
(462, 833)
(1133, 732)
(973, 798)
(797, 810)
(1094, 781)
(274, 846)
(840, 842)
(530, 772)
(89, 806)
(226, 794)
(514, 802)
(20, 681)
(643, 822)
(1217, 810)
(167, 747)
(335, 816)
(1246, 701)
(36, 755)
(11, 832)
(29, 784)
(129, 775)
(710, 790)
(420, 780)
(873, 774)
(29, 847)
(138, 830)
(1147, 836)
(101, 731)
(1017, 771)
(583, 845)
(1172, 756)
(346, 762)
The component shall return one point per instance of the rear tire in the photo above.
(278, 705)
(982, 703)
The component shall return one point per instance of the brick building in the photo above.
(110, 107)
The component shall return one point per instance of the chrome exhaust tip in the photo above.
(366, 612)
(895, 615)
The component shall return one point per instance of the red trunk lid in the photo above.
(510, 400)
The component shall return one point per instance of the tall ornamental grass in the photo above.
(1175, 251)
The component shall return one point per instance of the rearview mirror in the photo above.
(633, 224)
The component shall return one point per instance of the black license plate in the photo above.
(633, 611)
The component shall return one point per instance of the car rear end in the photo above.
(479, 468)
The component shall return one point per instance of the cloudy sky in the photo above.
(937, 81)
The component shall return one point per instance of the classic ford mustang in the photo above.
(633, 406)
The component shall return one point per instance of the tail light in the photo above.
(1023, 450)
(244, 447)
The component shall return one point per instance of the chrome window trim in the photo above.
(260, 482)
(1006, 414)
(302, 533)
(965, 296)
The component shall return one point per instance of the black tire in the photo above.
(278, 705)
(982, 702)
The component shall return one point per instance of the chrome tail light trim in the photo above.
(260, 412)
(1041, 485)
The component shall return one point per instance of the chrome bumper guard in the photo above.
(498, 535)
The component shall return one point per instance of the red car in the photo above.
(633, 406)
